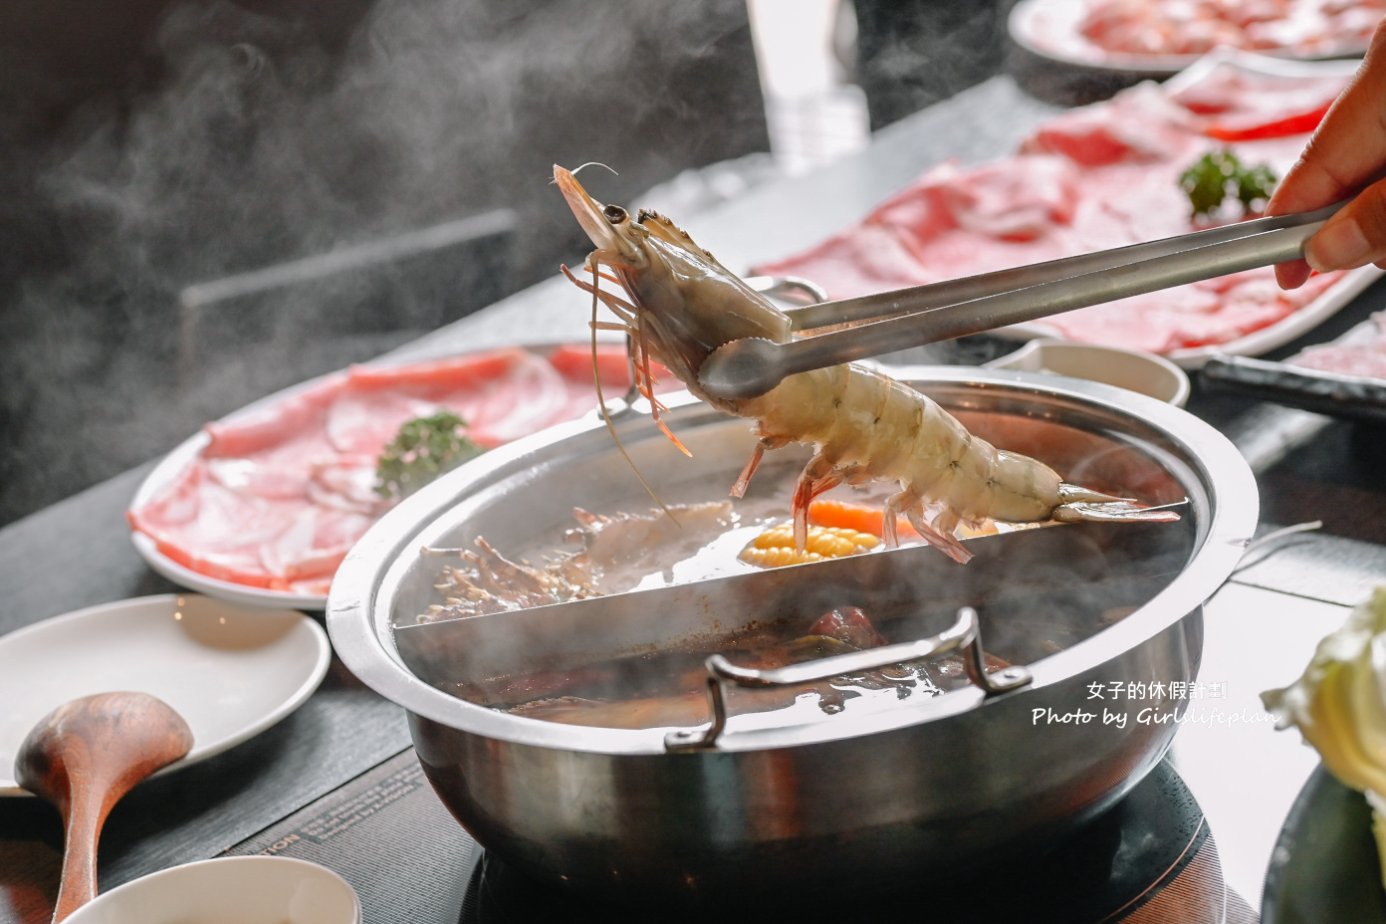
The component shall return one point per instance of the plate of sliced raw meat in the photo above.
(261, 506)
(1159, 39)
(1102, 176)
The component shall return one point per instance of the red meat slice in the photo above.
(1362, 355)
(270, 479)
(868, 258)
(1140, 125)
(270, 425)
(500, 395)
(1019, 200)
(439, 375)
(848, 624)
(346, 483)
(363, 423)
(1239, 105)
(1360, 360)
(212, 529)
(313, 545)
(574, 364)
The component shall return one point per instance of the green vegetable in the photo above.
(1339, 707)
(1218, 174)
(424, 448)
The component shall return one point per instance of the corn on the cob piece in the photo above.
(775, 547)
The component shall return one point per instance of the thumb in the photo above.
(1355, 236)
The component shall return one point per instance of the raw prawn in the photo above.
(681, 304)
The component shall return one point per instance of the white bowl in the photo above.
(229, 890)
(1130, 369)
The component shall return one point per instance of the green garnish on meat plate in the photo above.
(1219, 175)
(424, 448)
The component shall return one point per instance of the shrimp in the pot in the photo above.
(679, 304)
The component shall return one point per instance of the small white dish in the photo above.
(230, 671)
(1130, 369)
(229, 890)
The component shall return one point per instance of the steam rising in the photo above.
(249, 135)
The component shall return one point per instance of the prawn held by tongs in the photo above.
(679, 305)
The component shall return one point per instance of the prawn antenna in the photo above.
(606, 415)
(593, 163)
(553, 181)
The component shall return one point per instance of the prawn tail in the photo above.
(1113, 510)
(1072, 493)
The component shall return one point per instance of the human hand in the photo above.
(1345, 155)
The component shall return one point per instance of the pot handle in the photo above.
(964, 635)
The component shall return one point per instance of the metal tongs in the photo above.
(904, 318)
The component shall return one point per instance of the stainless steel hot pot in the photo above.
(915, 792)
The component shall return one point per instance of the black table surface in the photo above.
(1261, 627)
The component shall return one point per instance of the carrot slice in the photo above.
(864, 518)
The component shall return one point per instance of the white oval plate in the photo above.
(1050, 29)
(230, 671)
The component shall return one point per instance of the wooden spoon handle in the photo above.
(85, 817)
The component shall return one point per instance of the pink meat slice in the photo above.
(266, 452)
(533, 397)
(1140, 125)
(268, 427)
(1362, 355)
(215, 530)
(1365, 361)
(1019, 200)
(501, 396)
(363, 423)
(1234, 93)
(871, 258)
(346, 483)
(314, 543)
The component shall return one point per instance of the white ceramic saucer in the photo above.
(230, 671)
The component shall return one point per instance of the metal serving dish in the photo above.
(919, 790)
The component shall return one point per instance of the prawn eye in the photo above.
(614, 214)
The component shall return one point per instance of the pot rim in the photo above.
(1225, 529)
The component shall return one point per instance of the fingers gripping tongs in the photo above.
(874, 324)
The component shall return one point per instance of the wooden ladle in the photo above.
(83, 757)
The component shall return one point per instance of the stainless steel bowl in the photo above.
(896, 795)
